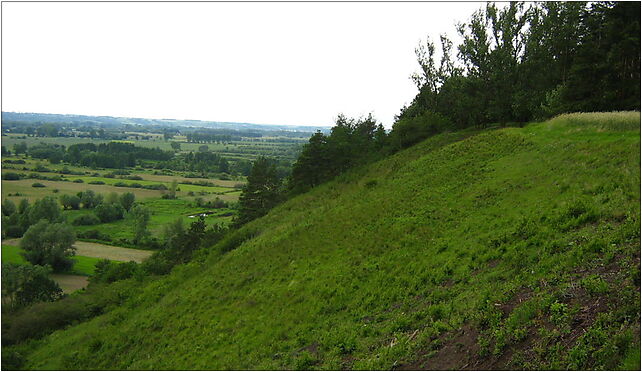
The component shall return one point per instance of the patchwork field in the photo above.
(25, 190)
(84, 250)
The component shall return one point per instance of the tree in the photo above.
(109, 212)
(140, 218)
(261, 193)
(203, 148)
(127, 200)
(8, 208)
(176, 146)
(49, 244)
(90, 199)
(69, 201)
(111, 198)
(20, 148)
(46, 208)
(171, 193)
(23, 285)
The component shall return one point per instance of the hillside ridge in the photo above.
(484, 245)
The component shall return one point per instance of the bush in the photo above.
(127, 200)
(94, 234)
(95, 182)
(78, 180)
(37, 184)
(23, 285)
(157, 264)
(46, 208)
(109, 212)
(86, 220)
(69, 201)
(158, 186)
(109, 272)
(14, 231)
(8, 207)
(41, 168)
(90, 199)
(43, 318)
(409, 131)
(10, 176)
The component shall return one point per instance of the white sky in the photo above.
(272, 63)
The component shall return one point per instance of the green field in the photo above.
(163, 212)
(515, 248)
(83, 265)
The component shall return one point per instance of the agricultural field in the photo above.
(163, 212)
(244, 149)
(148, 185)
(87, 255)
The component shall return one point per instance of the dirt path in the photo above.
(102, 251)
(70, 283)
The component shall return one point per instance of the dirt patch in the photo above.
(110, 252)
(70, 283)
(459, 350)
(522, 295)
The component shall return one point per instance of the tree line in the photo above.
(515, 64)
(525, 62)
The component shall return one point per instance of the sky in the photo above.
(267, 63)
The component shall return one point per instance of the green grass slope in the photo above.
(515, 247)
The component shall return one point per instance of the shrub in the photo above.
(46, 208)
(90, 199)
(10, 176)
(86, 220)
(109, 272)
(23, 285)
(8, 208)
(43, 318)
(37, 184)
(109, 212)
(94, 234)
(69, 201)
(41, 168)
(78, 180)
(127, 200)
(95, 182)
(409, 131)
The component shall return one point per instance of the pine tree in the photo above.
(261, 193)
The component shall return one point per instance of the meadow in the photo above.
(515, 248)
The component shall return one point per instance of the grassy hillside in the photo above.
(515, 247)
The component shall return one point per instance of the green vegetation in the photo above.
(49, 244)
(529, 61)
(465, 238)
(23, 285)
(82, 265)
(511, 248)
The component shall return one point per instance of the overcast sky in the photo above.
(272, 63)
